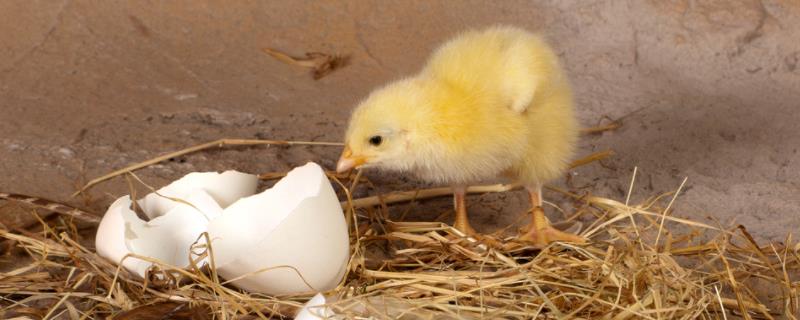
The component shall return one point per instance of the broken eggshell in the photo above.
(289, 239)
(225, 188)
(315, 309)
(173, 226)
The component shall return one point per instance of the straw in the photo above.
(429, 270)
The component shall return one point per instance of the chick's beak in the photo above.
(347, 161)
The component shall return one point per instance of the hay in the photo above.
(642, 263)
(321, 64)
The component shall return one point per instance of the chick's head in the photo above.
(382, 129)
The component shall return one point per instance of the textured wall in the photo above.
(706, 89)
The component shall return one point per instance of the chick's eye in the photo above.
(375, 140)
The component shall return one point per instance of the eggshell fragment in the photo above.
(225, 188)
(265, 242)
(314, 309)
(169, 237)
(166, 237)
(174, 225)
(110, 238)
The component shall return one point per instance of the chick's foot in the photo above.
(541, 233)
(473, 236)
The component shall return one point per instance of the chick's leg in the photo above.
(462, 220)
(540, 232)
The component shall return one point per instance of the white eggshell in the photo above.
(110, 238)
(314, 309)
(173, 226)
(167, 237)
(264, 242)
(296, 226)
(225, 188)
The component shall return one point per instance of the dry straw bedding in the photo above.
(642, 263)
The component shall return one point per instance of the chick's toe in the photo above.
(541, 233)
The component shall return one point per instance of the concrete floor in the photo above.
(706, 90)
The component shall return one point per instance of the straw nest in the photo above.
(636, 266)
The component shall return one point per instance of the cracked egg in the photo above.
(291, 238)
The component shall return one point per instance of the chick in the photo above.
(489, 104)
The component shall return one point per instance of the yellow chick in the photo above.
(489, 104)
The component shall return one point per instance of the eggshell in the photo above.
(110, 238)
(225, 188)
(262, 243)
(173, 226)
(295, 228)
(314, 310)
(169, 237)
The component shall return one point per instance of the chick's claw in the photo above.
(541, 233)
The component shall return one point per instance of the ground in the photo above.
(705, 89)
